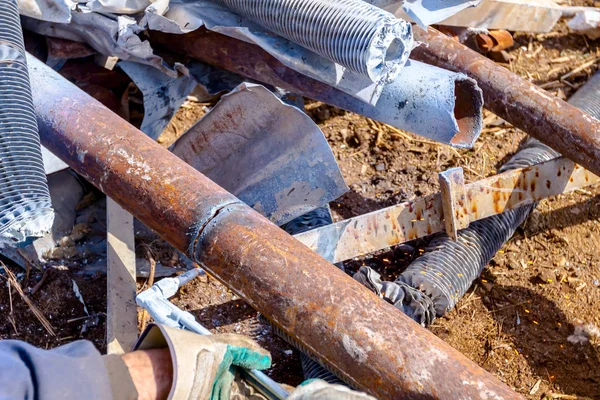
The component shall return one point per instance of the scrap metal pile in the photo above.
(256, 162)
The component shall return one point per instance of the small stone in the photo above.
(323, 114)
(563, 262)
(596, 282)
(380, 167)
(405, 248)
(288, 352)
(575, 211)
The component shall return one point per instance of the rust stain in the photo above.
(496, 201)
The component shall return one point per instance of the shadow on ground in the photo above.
(539, 330)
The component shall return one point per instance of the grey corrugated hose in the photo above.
(25, 207)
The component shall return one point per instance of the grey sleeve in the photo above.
(73, 371)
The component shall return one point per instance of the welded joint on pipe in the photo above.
(454, 200)
(197, 230)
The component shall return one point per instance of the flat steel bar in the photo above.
(424, 216)
(334, 317)
(560, 125)
(121, 310)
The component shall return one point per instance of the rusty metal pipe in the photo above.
(418, 113)
(318, 305)
(558, 124)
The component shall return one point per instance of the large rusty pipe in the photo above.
(364, 339)
(554, 122)
(416, 112)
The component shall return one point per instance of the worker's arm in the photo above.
(73, 371)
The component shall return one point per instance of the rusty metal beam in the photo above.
(413, 113)
(334, 317)
(424, 216)
(554, 122)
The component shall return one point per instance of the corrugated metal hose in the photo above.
(25, 207)
(357, 35)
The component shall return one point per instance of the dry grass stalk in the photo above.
(40, 283)
(11, 317)
(580, 68)
(12, 280)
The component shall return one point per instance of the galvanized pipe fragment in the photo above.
(414, 102)
(318, 305)
(558, 124)
(357, 35)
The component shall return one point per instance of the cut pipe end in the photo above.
(389, 50)
(468, 112)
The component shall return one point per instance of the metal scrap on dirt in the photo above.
(182, 135)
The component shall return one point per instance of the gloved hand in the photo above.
(321, 390)
(204, 366)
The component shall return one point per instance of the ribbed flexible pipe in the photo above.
(25, 207)
(357, 35)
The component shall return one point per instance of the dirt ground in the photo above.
(514, 321)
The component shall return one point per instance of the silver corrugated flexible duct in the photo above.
(25, 207)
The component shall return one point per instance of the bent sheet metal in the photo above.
(268, 154)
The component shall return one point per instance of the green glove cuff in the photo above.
(236, 357)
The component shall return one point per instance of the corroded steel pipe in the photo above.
(554, 122)
(402, 103)
(364, 339)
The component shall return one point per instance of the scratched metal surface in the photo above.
(418, 218)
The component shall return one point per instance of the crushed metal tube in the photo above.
(117, 35)
(449, 112)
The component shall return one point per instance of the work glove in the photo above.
(321, 390)
(204, 366)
